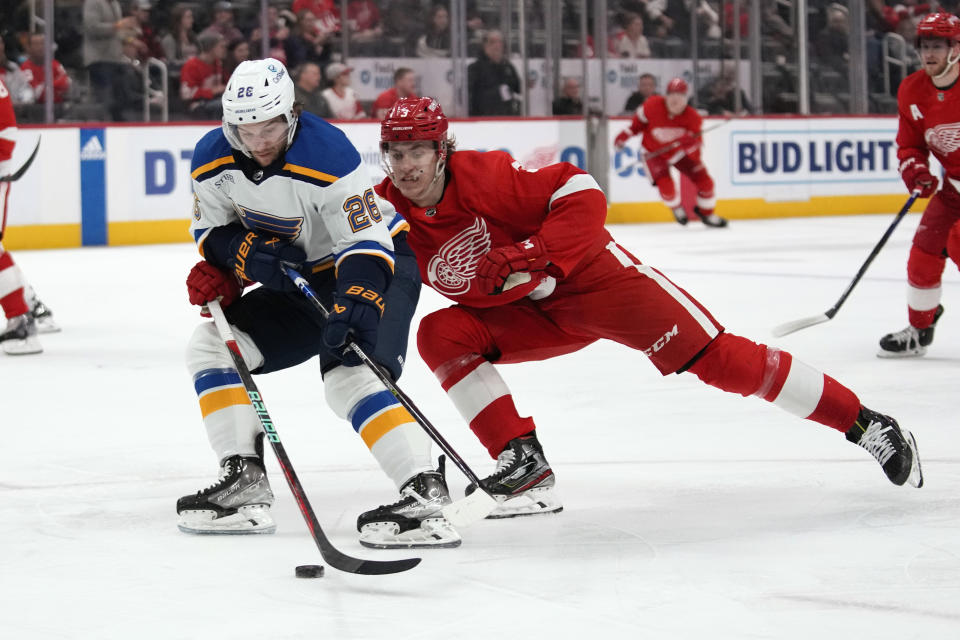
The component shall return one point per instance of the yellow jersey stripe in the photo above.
(210, 166)
(222, 399)
(313, 173)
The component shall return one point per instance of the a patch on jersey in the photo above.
(944, 138)
(915, 112)
(455, 265)
(667, 134)
(283, 228)
(221, 183)
(196, 208)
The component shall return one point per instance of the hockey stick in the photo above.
(671, 146)
(330, 554)
(461, 513)
(803, 323)
(16, 175)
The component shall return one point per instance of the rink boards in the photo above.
(120, 185)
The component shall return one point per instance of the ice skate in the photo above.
(894, 449)
(680, 214)
(415, 521)
(710, 219)
(44, 317)
(20, 336)
(238, 503)
(523, 482)
(910, 342)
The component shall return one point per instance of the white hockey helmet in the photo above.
(257, 91)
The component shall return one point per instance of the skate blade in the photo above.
(915, 478)
(252, 519)
(911, 353)
(530, 503)
(21, 347)
(434, 533)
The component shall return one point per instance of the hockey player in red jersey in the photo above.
(929, 104)
(535, 274)
(23, 311)
(672, 132)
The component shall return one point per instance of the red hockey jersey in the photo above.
(491, 201)
(8, 125)
(658, 127)
(929, 122)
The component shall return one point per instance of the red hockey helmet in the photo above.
(414, 119)
(939, 25)
(677, 85)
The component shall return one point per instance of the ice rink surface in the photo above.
(689, 513)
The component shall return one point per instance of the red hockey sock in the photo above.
(737, 365)
(11, 287)
(450, 342)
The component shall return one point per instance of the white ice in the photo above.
(689, 513)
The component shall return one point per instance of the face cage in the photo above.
(439, 146)
(233, 136)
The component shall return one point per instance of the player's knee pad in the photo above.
(344, 387)
(668, 191)
(924, 269)
(206, 350)
(444, 335)
(733, 364)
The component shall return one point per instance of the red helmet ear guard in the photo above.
(414, 119)
(677, 85)
(939, 25)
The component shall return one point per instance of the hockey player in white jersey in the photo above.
(275, 184)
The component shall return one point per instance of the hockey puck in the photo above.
(310, 571)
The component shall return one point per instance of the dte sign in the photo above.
(160, 171)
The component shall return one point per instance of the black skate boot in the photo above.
(894, 449)
(238, 503)
(523, 482)
(711, 219)
(44, 317)
(910, 342)
(680, 214)
(20, 336)
(415, 521)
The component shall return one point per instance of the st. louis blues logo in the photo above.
(276, 226)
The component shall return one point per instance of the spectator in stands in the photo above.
(363, 19)
(718, 97)
(14, 78)
(492, 81)
(33, 69)
(404, 86)
(279, 23)
(435, 42)
(201, 78)
(307, 89)
(223, 22)
(631, 43)
(150, 46)
(833, 42)
(403, 21)
(180, 42)
(568, 103)
(307, 41)
(104, 29)
(340, 96)
(129, 81)
(646, 87)
(325, 12)
(708, 19)
(237, 52)
(655, 12)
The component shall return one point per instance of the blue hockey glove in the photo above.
(257, 259)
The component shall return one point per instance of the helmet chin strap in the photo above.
(951, 61)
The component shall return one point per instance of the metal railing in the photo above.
(148, 91)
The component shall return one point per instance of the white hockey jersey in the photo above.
(319, 197)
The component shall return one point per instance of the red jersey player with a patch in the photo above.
(929, 108)
(671, 131)
(534, 274)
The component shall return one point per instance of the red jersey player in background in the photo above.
(20, 304)
(671, 131)
(535, 274)
(929, 106)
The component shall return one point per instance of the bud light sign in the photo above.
(814, 156)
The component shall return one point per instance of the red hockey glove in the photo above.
(496, 266)
(916, 175)
(207, 282)
(621, 139)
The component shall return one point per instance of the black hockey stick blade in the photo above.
(348, 564)
(16, 175)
